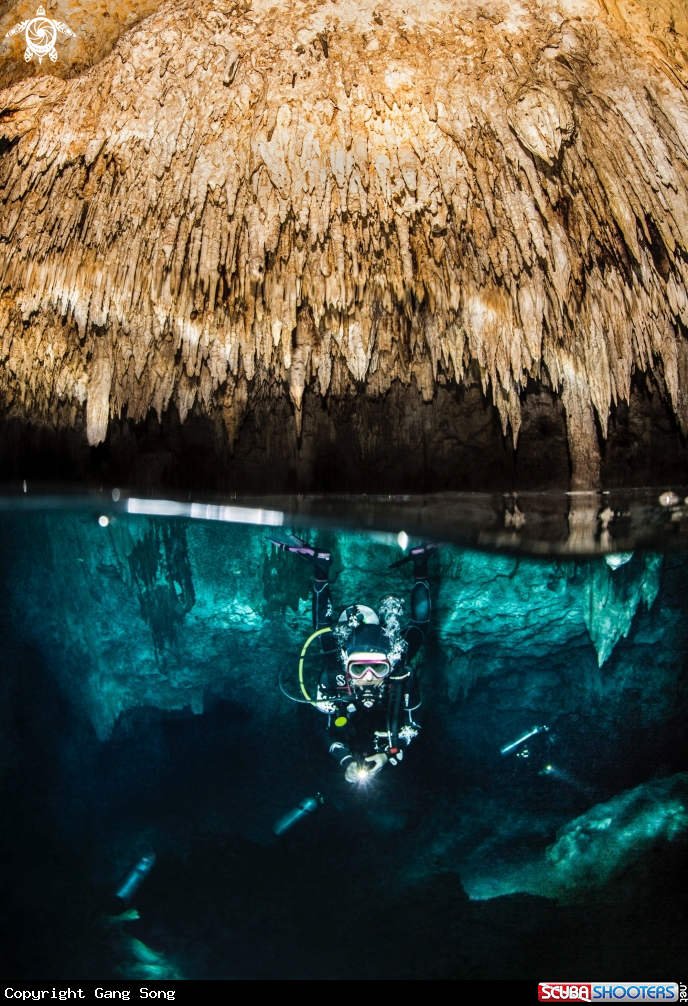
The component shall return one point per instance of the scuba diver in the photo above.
(368, 689)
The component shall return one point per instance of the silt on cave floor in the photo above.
(142, 714)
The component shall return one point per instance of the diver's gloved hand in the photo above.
(355, 771)
(377, 762)
(361, 769)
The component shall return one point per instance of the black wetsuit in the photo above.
(376, 729)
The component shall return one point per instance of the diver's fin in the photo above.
(286, 541)
(415, 553)
(301, 549)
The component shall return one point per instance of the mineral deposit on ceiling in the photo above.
(340, 195)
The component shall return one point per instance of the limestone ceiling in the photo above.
(343, 194)
(97, 26)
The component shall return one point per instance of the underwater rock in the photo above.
(601, 843)
(597, 846)
(155, 612)
(241, 202)
(615, 593)
(617, 559)
(536, 606)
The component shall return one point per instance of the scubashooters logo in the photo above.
(609, 991)
(41, 35)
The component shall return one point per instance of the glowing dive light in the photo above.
(531, 733)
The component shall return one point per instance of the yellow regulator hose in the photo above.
(308, 642)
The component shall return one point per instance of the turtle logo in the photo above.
(41, 35)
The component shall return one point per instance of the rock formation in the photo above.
(96, 30)
(599, 845)
(192, 608)
(240, 200)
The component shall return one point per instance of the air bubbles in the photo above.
(115, 495)
(669, 499)
(103, 521)
(402, 540)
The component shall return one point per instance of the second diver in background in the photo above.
(368, 688)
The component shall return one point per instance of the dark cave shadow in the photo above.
(395, 443)
(50, 925)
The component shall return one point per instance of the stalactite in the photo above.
(341, 197)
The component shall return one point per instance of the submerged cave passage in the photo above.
(141, 711)
(369, 889)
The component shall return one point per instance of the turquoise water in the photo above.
(142, 712)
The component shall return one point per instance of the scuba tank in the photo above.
(133, 880)
(296, 814)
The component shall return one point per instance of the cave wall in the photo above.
(394, 443)
(157, 612)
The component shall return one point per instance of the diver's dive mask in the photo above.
(365, 669)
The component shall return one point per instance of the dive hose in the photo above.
(318, 632)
